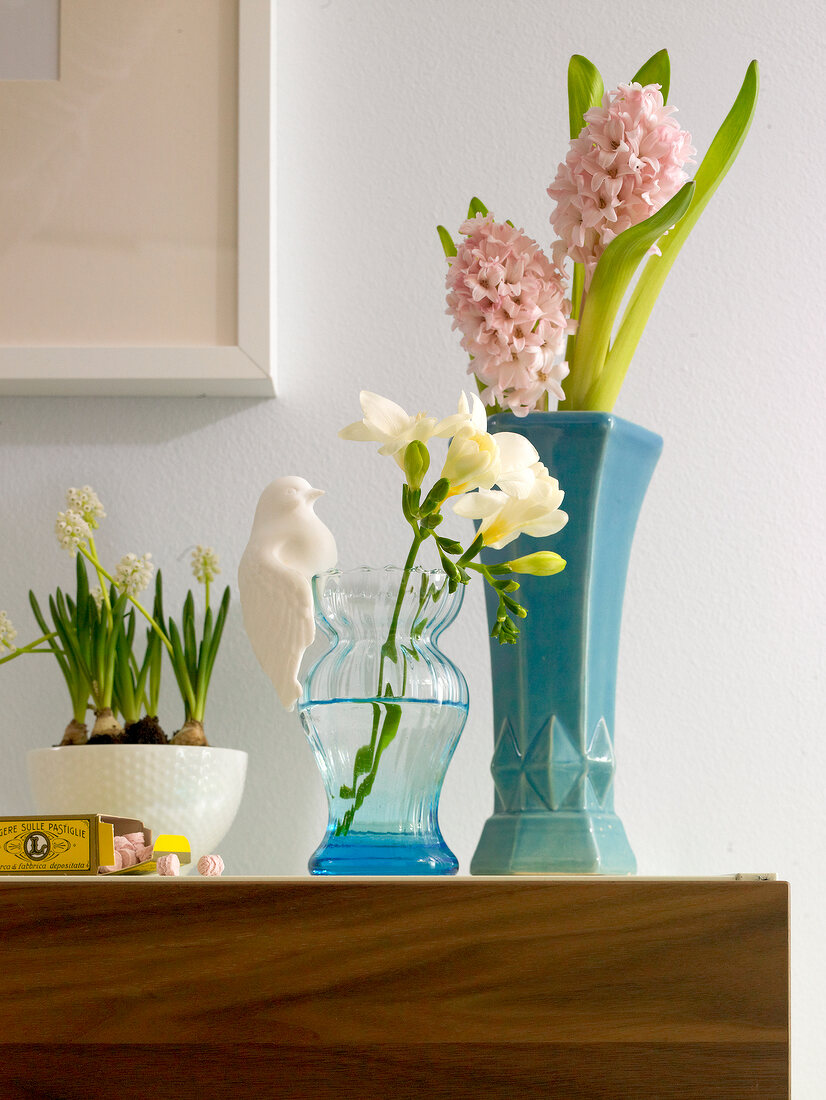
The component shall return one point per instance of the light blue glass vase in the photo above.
(553, 691)
(383, 709)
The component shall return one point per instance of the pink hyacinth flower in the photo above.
(626, 163)
(507, 299)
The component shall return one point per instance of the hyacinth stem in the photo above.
(613, 274)
(716, 163)
(577, 300)
(30, 648)
(92, 556)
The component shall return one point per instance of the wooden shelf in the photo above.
(543, 986)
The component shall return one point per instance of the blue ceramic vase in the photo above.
(553, 691)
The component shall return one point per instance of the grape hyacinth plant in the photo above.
(495, 478)
(622, 194)
(93, 637)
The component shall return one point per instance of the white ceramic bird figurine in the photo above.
(288, 544)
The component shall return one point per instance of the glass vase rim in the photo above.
(375, 570)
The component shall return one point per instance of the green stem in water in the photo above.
(380, 739)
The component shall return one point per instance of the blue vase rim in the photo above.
(606, 420)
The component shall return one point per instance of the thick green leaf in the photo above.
(585, 90)
(477, 207)
(613, 274)
(190, 646)
(720, 156)
(179, 667)
(656, 70)
(215, 639)
(447, 241)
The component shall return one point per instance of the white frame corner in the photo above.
(243, 370)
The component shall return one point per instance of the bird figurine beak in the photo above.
(314, 494)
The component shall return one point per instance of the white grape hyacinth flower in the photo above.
(71, 530)
(87, 503)
(7, 633)
(133, 574)
(204, 564)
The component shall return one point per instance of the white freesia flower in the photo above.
(71, 529)
(87, 503)
(97, 596)
(387, 423)
(133, 574)
(519, 463)
(505, 517)
(478, 460)
(204, 564)
(7, 632)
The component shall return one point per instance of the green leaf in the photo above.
(390, 726)
(62, 659)
(656, 70)
(447, 241)
(190, 644)
(613, 274)
(363, 762)
(179, 667)
(585, 90)
(720, 156)
(477, 207)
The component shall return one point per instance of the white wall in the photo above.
(391, 115)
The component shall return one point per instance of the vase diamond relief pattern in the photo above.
(554, 773)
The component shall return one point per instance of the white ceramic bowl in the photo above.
(192, 790)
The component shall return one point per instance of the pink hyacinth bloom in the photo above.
(627, 162)
(507, 299)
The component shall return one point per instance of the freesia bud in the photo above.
(543, 563)
(436, 496)
(416, 463)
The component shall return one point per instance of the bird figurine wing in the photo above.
(277, 606)
(287, 546)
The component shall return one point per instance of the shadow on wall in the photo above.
(86, 421)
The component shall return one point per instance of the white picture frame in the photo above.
(246, 369)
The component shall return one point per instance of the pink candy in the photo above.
(128, 857)
(130, 850)
(210, 866)
(169, 865)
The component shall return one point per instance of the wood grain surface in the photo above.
(563, 988)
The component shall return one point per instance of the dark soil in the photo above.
(105, 739)
(147, 731)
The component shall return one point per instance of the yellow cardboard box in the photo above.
(70, 844)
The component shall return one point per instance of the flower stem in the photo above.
(379, 740)
(92, 556)
(30, 648)
(132, 600)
